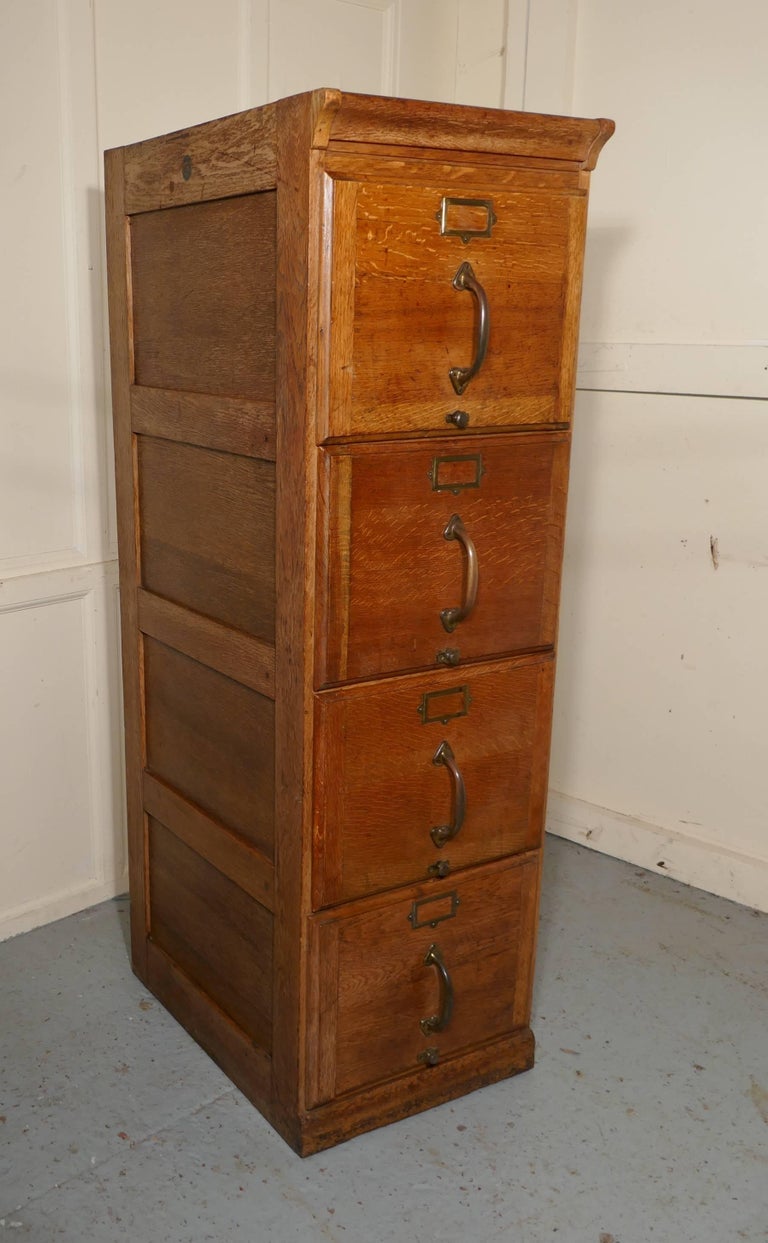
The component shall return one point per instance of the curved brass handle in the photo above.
(451, 617)
(438, 1022)
(466, 279)
(443, 833)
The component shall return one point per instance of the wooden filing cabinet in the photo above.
(343, 347)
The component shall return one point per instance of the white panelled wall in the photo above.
(662, 678)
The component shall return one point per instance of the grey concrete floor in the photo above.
(645, 1119)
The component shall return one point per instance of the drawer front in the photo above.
(399, 321)
(459, 954)
(398, 570)
(422, 775)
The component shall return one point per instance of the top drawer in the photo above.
(402, 311)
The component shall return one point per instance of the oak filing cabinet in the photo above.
(343, 345)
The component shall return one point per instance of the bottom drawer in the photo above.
(412, 980)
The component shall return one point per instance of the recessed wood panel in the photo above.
(212, 739)
(379, 794)
(391, 571)
(208, 532)
(375, 987)
(218, 935)
(398, 324)
(204, 297)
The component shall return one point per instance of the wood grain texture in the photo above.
(204, 297)
(409, 1094)
(232, 155)
(391, 571)
(383, 988)
(299, 206)
(246, 1064)
(216, 934)
(276, 278)
(237, 655)
(225, 851)
(577, 233)
(231, 424)
(418, 123)
(398, 325)
(126, 485)
(378, 793)
(213, 741)
(208, 532)
(422, 166)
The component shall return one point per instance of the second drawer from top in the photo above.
(429, 554)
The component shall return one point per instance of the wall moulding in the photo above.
(667, 852)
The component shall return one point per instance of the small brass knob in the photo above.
(448, 656)
(459, 418)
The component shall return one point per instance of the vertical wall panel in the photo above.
(62, 828)
(165, 66)
(326, 43)
(480, 51)
(39, 504)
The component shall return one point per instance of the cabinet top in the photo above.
(242, 148)
(346, 117)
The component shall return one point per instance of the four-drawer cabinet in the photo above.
(343, 336)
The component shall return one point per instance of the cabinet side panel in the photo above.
(219, 937)
(204, 305)
(208, 532)
(212, 739)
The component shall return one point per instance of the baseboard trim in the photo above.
(46, 910)
(689, 859)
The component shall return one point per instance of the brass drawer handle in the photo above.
(466, 279)
(443, 833)
(451, 617)
(438, 1022)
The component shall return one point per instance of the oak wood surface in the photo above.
(208, 532)
(398, 325)
(204, 297)
(391, 572)
(214, 931)
(212, 739)
(423, 165)
(369, 118)
(229, 156)
(232, 424)
(374, 986)
(237, 655)
(227, 852)
(278, 277)
(378, 793)
(298, 208)
(246, 1064)
(382, 1103)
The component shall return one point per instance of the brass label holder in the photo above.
(444, 705)
(456, 472)
(465, 218)
(429, 912)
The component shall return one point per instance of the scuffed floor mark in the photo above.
(758, 1095)
(714, 551)
(608, 1238)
